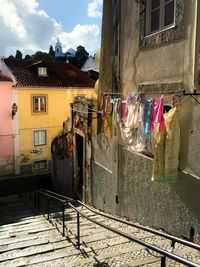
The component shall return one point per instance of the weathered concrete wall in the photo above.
(167, 62)
(62, 175)
(172, 206)
(105, 75)
(104, 181)
(121, 173)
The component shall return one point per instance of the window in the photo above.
(39, 103)
(160, 21)
(40, 165)
(160, 15)
(42, 71)
(40, 137)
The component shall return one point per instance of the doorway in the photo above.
(79, 166)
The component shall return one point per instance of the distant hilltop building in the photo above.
(58, 51)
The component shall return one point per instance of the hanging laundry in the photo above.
(147, 116)
(159, 155)
(106, 105)
(132, 114)
(123, 111)
(116, 111)
(172, 122)
(157, 114)
(167, 144)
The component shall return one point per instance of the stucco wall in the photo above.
(170, 61)
(6, 130)
(58, 110)
(171, 206)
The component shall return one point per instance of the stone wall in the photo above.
(172, 206)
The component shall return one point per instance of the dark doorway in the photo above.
(79, 165)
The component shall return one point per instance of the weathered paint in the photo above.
(173, 64)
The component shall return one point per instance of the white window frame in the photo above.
(38, 138)
(161, 19)
(42, 71)
(37, 165)
(41, 100)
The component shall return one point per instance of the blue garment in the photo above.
(148, 104)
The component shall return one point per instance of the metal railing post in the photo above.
(78, 230)
(173, 243)
(63, 218)
(163, 261)
(48, 208)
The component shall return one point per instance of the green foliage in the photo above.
(51, 51)
(39, 55)
(18, 54)
(27, 57)
(81, 56)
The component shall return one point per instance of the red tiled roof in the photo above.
(4, 78)
(59, 74)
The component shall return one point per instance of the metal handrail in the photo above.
(161, 251)
(145, 228)
(59, 195)
(164, 253)
(63, 202)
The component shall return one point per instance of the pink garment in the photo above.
(124, 110)
(157, 114)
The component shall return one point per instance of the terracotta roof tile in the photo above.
(59, 74)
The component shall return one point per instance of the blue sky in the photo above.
(33, 25)
(69, 12)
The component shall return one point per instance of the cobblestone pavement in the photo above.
(28, 239)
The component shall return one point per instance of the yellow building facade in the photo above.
(42, 93)
(37, 128)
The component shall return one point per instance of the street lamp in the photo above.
(14, 110)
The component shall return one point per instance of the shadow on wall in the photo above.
(188, 188)
(62, 175)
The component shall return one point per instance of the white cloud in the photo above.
(26, 27)
(85, 35)
(95, 8)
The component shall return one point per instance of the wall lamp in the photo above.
(14, 110)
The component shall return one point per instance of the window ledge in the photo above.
(166, 35)
(161, 31)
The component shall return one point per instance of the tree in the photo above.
(18, 54)
(81, 56)
(27, 57)
(39, 55)
(51, 51)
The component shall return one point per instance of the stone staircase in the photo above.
(28, 239)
